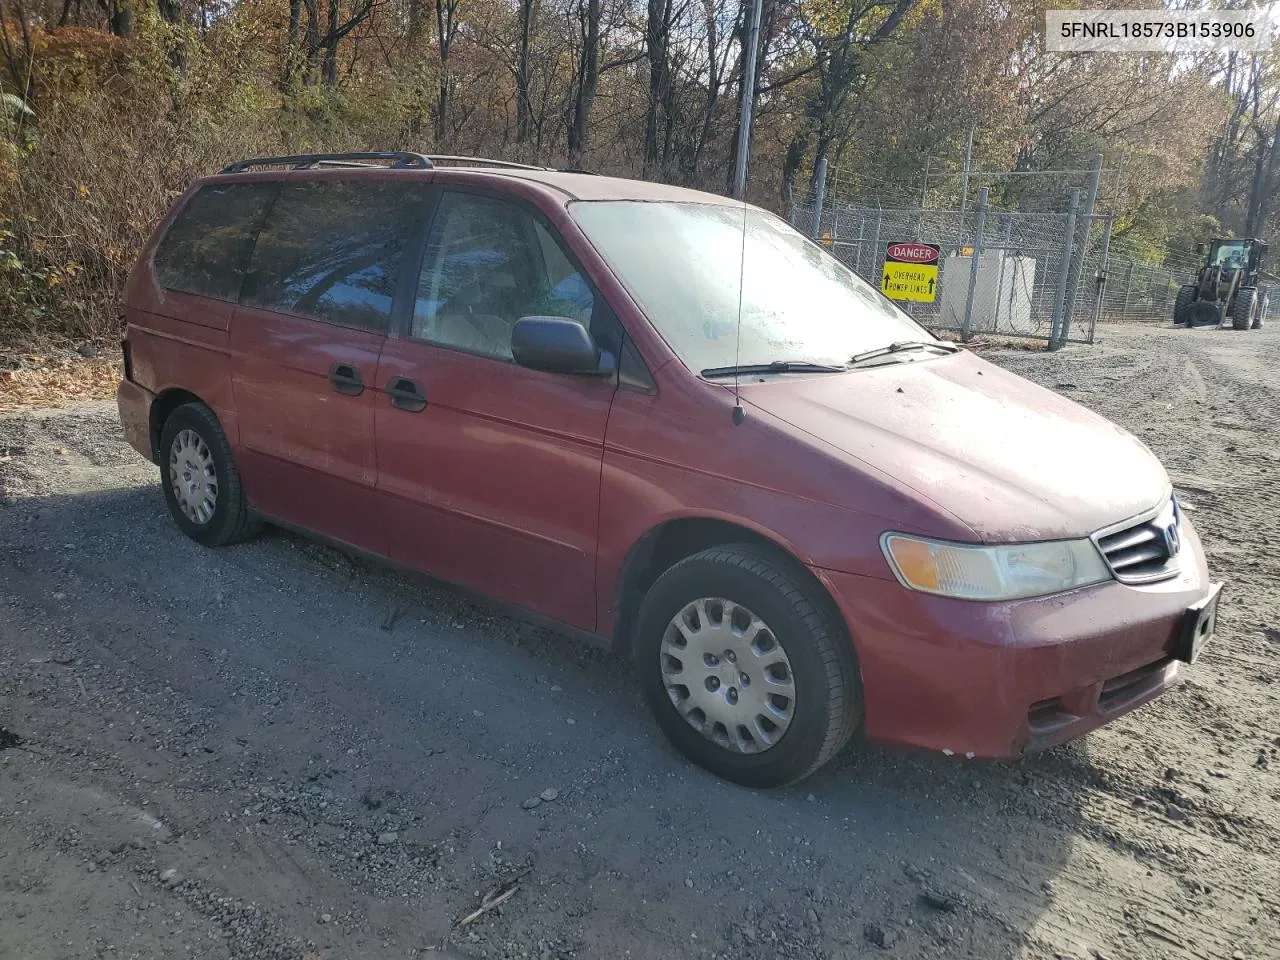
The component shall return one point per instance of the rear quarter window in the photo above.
(333, 250)
(206, 249)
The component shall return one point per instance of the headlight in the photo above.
(1005, 572)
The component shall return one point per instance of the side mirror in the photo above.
(559, 345)
(1199, 248)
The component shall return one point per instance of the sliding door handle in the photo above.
(406, 394)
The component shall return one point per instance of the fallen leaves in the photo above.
(56, 379)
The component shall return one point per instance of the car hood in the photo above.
(1008, 458)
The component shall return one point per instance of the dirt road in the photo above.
(278, 751)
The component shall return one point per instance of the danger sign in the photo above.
(911, 272)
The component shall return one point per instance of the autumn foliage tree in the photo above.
(112, 106)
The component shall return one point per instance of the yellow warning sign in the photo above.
(910, 281)
(911, 272)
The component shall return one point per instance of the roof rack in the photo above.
(482, 161)
(399, 159)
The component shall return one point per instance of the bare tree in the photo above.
(524, 68)
(447, 23)
(586, 80)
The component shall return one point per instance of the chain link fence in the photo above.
(1048, 276)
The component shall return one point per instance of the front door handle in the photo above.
(406, 394)
(346, 379)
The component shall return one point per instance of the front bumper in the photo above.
(134, 404)
(1002, 679)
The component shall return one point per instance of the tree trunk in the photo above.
(171, 12)
(446, 28)
(312, 41)
(791, 164)
(657, 32)
(120, 23)
(18, 60)
(1267, 188)
(331, 47)
(524, 78)
(414, 32)
(291, 44)
(588, 81)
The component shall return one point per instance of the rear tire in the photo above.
(1186, 297)
(201, 484)
(1244, 309)
(788, 701)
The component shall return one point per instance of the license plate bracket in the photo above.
(1197, 628)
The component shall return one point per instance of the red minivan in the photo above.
(669, 422)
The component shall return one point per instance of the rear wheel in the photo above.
(1186, 297)
(745, 667)
(1244, 309)
(201, 484)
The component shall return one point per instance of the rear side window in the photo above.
(333, 250)
(207, 246)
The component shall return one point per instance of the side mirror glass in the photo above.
(559, 345)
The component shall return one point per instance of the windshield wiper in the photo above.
(902, 346)
(777, 366)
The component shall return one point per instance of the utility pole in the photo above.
(1081, 246)
(964, 180)
(1065, 263)
(975, 259)
(748, 102)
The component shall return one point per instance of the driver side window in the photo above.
(487, 264)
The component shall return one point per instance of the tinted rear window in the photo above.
(207, 246)
(333, 250)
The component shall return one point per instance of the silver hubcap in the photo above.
(193, 476)
(728, 675)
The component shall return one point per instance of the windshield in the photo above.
(1229, 255)
(682, 262)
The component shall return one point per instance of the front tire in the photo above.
(201, 484)
(1182, 304)
(746, 667)
(1245, 308)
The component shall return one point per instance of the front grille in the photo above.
(1146, 550)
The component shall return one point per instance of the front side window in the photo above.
(695, 269)
(206, 248)
(488, 263)
(332, 250)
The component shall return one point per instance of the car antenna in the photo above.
(738, 413)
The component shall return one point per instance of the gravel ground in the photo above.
(278, 751)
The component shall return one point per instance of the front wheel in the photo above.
(1244, 308)
(745, 667)
(201, 484)
(1182, 303)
